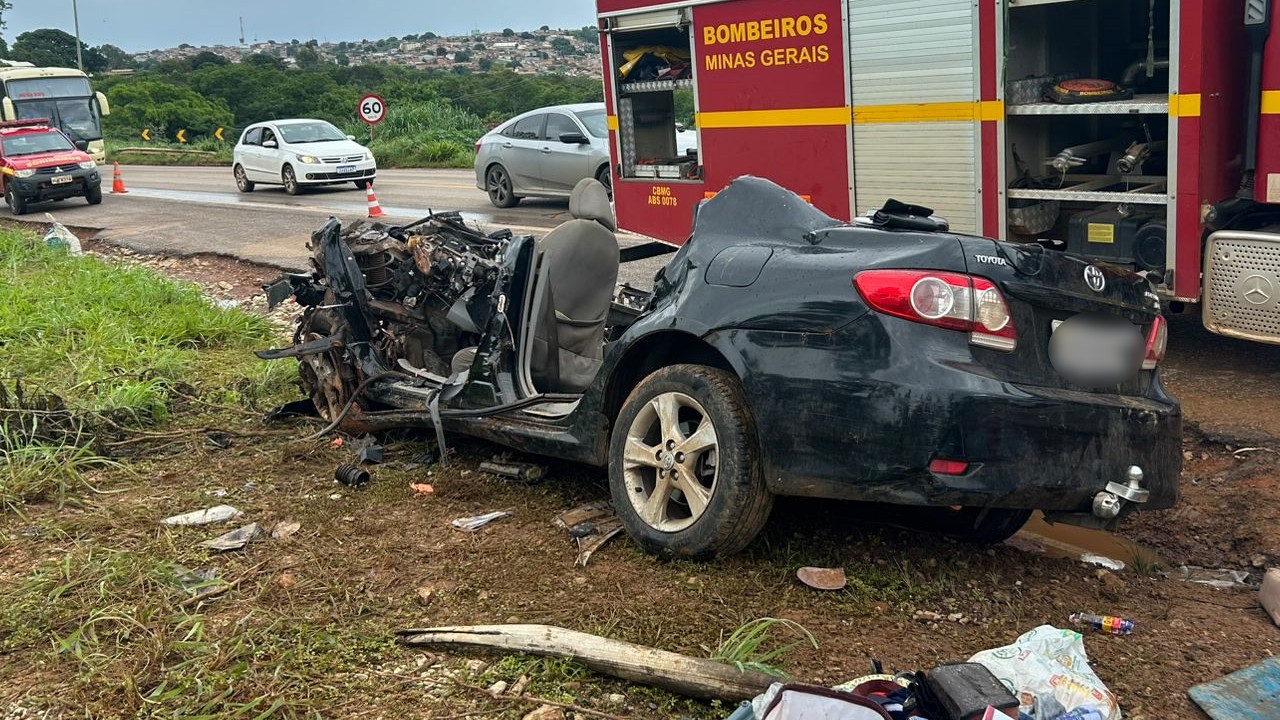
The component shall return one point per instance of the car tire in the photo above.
(93, 195)
(243, 183)
(501, 190)
(980, 526)
(17, 204)
(606, 179)
(655, 510)
(290, 180)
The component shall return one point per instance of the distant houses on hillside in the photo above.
(546, 51)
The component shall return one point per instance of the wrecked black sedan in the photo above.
(780, 352)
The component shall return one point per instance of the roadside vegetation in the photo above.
(434, 117)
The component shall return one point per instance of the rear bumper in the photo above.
(853, 417)
(40, 187)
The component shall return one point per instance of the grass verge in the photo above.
(88, 347)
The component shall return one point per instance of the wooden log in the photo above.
(692, 677)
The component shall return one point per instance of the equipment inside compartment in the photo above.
(1087, 127)
(1129, 237)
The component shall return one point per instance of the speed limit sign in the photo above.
(372, 109)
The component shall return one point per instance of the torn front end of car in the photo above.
(424, 305)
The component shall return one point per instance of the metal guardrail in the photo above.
(164, 151)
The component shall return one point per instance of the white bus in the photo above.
(62, 95)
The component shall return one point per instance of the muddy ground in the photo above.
(383, 558)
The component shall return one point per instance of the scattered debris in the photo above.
(421, 489)
(1247, 693)
(218, 439)
(518, 471)
(297, 408)
(1269, 594)
(286, 580)
(215, 514)
(545, 712)
(498, 688)
(351, 475)
(1102, 561)
(371, 455)
(616, 698)
(1222, 579)
(58, 236)
(591, 525)
(520, 685)
(1050, 673)
(284, 529)
(1243, 450)
(426, 594)
(823, 578)
(217, 492)
(476, 666)
(235, 539)
(693, 677)
(196, 582)
(335, 496)
(471, 524)
(336, 442)
(1109, 624)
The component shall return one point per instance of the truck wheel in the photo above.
(290, 180)
(17, 204)
(498, 184)
(243, 183)
(683, 465)
(94, 195)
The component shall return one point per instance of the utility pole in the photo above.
(75, 12)
(242, 30)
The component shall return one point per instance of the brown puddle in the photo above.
(1069, 541)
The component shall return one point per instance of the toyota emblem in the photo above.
(1094, 278)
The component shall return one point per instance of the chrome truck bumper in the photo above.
(1242, 284)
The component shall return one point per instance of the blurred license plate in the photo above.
(61, 179)
(346, 168)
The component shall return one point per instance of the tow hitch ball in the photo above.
(1107, 503)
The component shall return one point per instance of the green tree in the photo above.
(206, 58)
(429, 36)
(461, 56)
(478, 46)
(526, 36)
(485, 64)
(308, 57)
(342, 59)
(441, 51)
(117, 59)
(508, 32)
(545, 28)
(563, 46)
(164, 107)
(262, 60)
(49, 47)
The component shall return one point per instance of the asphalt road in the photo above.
(184, 211)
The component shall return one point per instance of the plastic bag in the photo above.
(59, 236)
(1048, 671)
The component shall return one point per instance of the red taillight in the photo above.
(1157, 341)
(948, 467)
(478, 143)
(948, 300)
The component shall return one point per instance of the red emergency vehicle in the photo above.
(38, 162)
(1144, 133)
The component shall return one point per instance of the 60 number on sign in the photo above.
(372, 110)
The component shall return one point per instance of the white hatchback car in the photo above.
(300, 153)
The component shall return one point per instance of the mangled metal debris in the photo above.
(208, 516)
(235, 539)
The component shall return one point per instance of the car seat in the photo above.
(575, 285)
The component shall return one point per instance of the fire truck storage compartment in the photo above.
(649, 67)
(1089, 156)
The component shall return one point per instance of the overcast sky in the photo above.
(145, 24)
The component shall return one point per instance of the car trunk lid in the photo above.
(1043, 288)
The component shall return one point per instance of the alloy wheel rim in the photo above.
(290, 180)
(670, 462)
(240, 178)
(498, 185)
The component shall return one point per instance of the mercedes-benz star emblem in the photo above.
(1094, 278)
(1257, 289)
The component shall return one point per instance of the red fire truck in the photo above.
(1144, 133)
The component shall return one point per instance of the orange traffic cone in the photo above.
(375, 210)
(117, 182)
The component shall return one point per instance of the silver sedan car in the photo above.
(543, 153)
